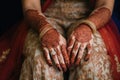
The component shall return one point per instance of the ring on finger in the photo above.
(53, 52)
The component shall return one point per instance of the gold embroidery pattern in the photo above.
(4, 55)
(117, 63)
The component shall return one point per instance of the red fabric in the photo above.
(46, 5)
(13, 40)
(111, 38)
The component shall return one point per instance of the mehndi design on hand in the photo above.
(53, 43)
(79, 40)
(100, 16)
(81, 37)
(35, 20)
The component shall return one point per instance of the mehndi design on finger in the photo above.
(65, 54)
(89, 50)
(70, 44)
(61, 59)
(80, 53)
(47, 56)
(75, 51)
(55, 58)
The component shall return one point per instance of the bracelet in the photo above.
(46, 29)
(87, 22)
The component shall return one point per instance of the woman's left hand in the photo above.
(78, 41)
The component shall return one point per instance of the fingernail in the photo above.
(86, 59)
(64, 67)
(77, 63)
(59, 68)
(68, 65)
(71, 64)
(72, 61)
(50, 63)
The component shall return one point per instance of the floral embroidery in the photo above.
(117, 63)
(4, 55)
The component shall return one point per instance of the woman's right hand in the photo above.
(54, 48)
(53, 43)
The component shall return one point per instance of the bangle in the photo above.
(90, 24)
(87, 22)
(46, 29)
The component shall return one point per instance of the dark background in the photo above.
(11, 13)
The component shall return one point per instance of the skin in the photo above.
(81, 37)
(79, 40)
(53, 43)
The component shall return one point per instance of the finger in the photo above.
(65, 55)
(70, 45)
(74, 51)
(55, 58)
(47, 56)
(60, 58)
(80, 53)
(89, 48)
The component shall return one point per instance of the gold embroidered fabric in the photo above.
(36, 68)
(61, 15)
(4, 55)
(67, 12)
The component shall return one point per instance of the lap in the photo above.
(35, 66)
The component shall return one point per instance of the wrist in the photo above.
(44, 30)
(35, 19)
(89, 24)
(84, 26)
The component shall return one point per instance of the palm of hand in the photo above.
(79, 40)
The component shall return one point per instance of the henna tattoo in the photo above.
(80, 53)
(74, 51)
(49, 40)
(52, 39)
(83, 33)
(47, 56)
(78, 42)
(89, 47)
(100, 17)
(35, 20)
(64, 53)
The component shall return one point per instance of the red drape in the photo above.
(111, 38)
(14, 40)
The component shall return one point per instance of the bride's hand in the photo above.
(53, 44)
(78, 41)
(54, 48)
